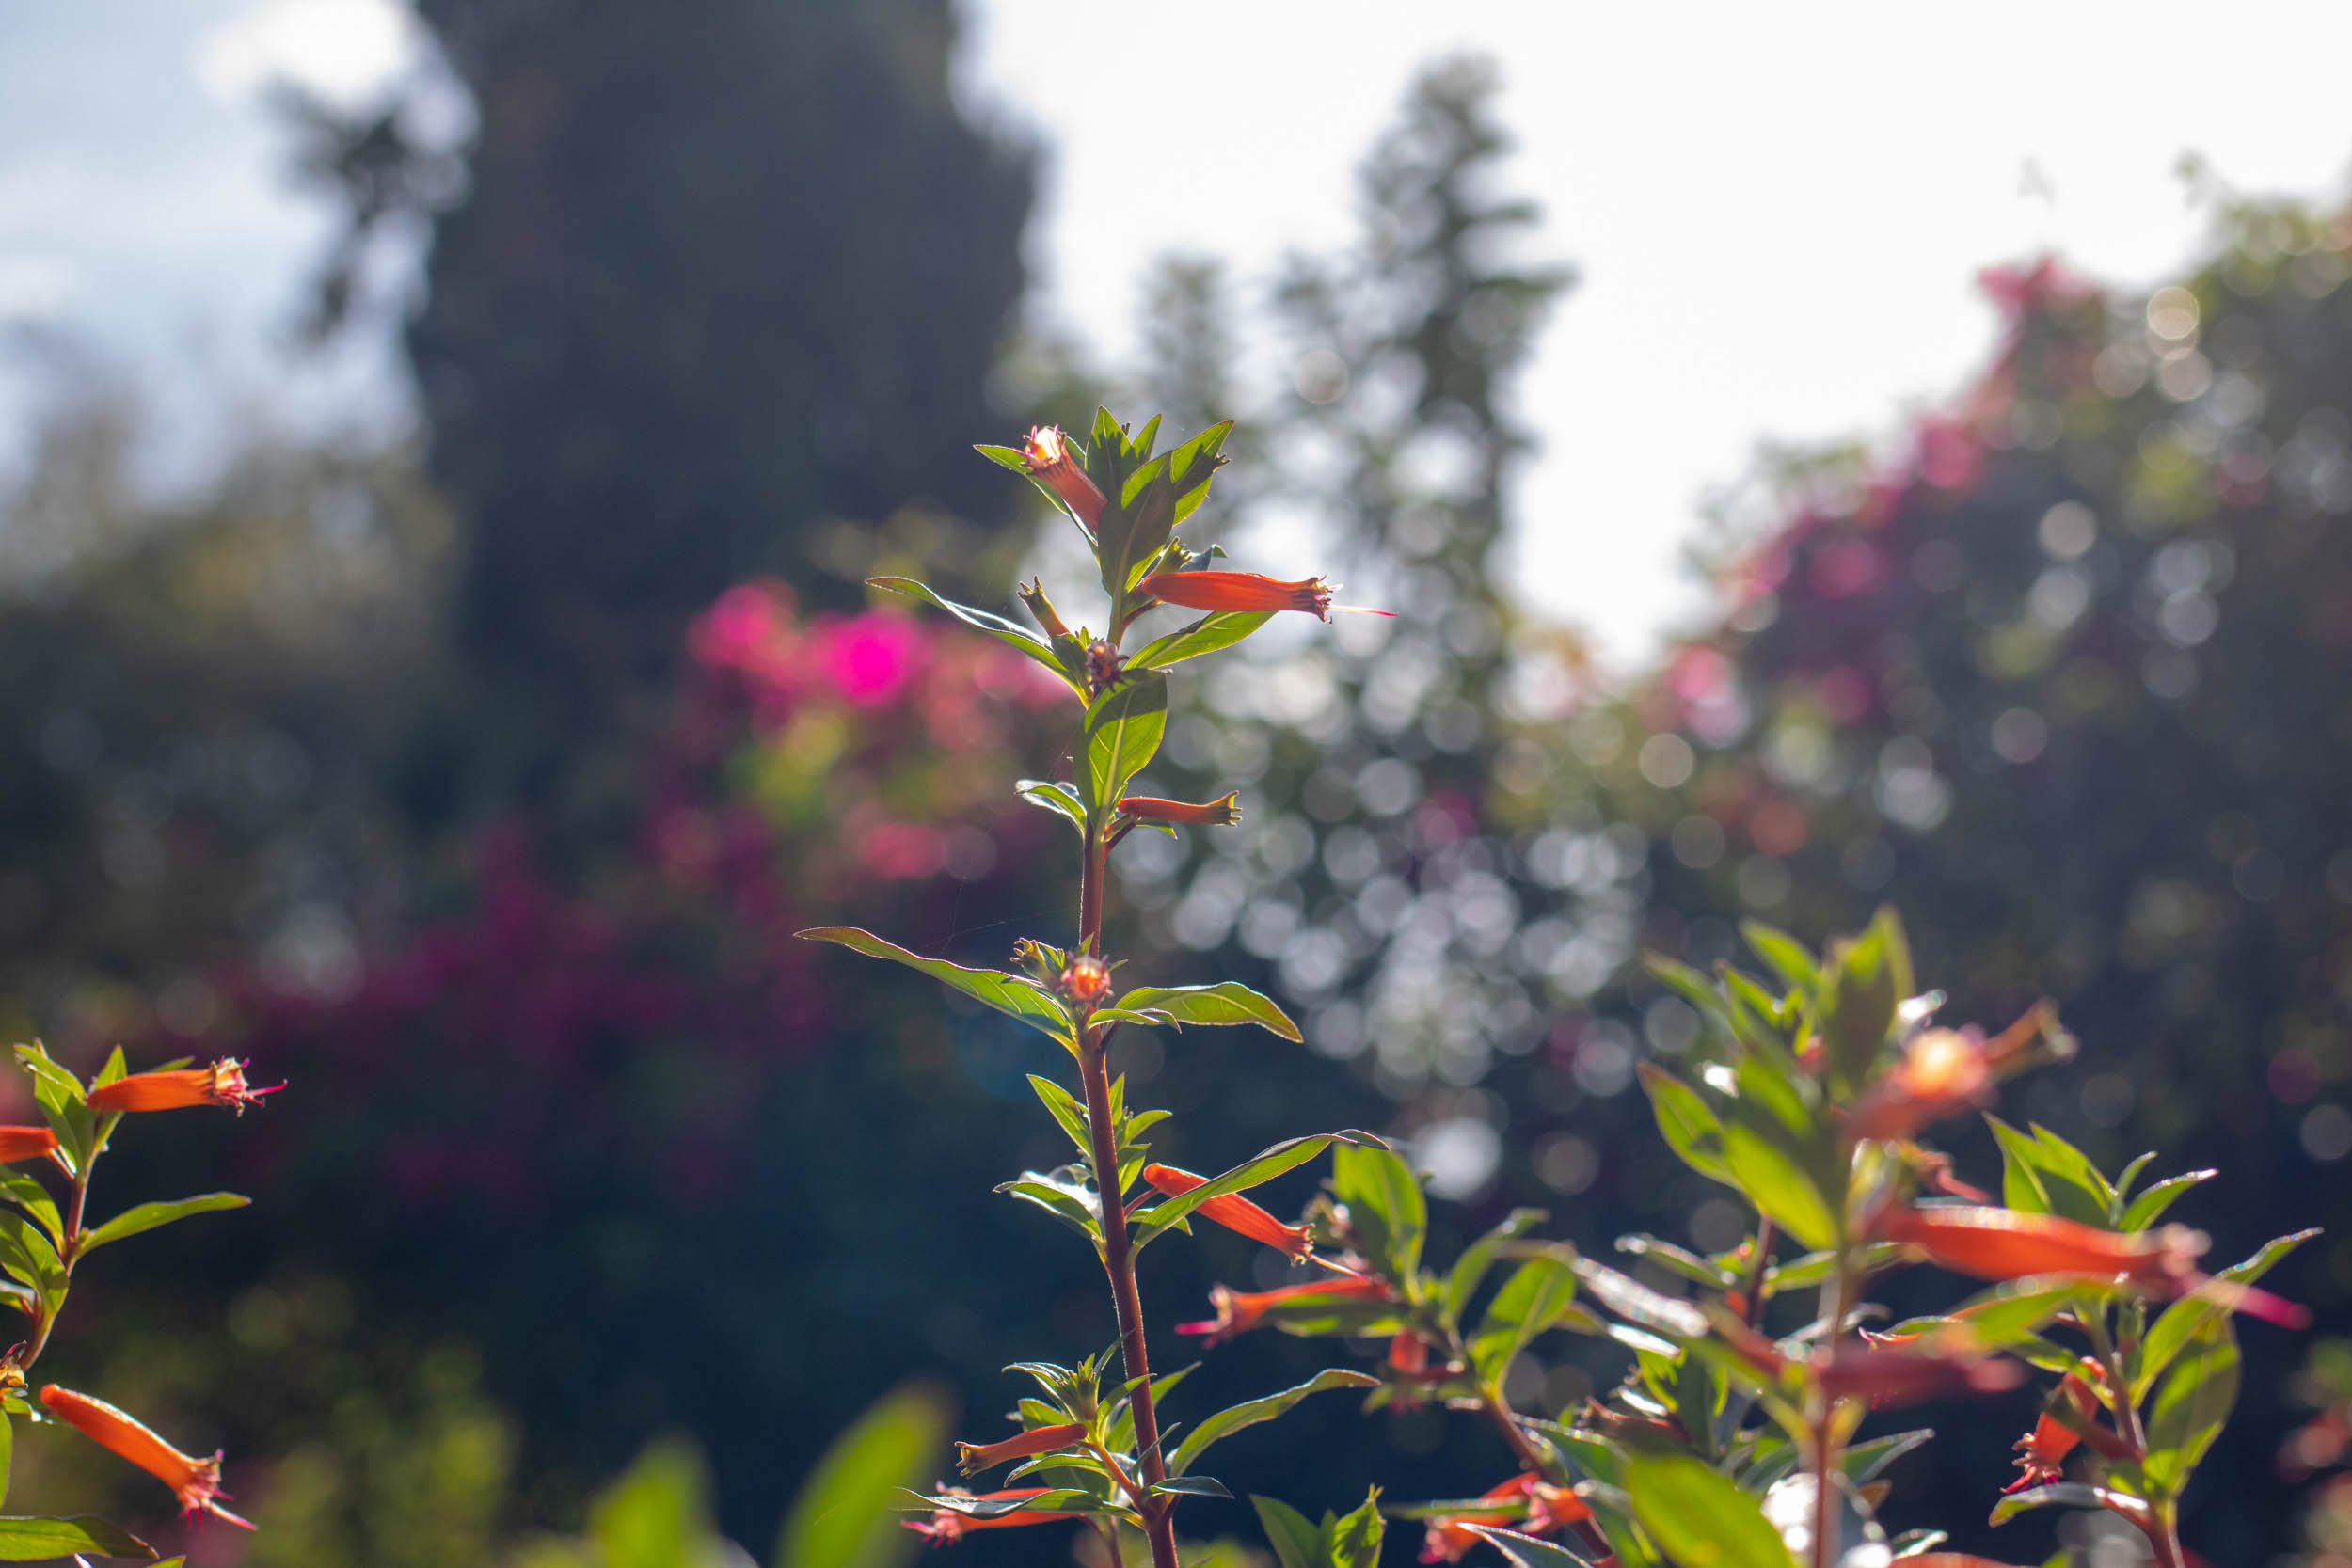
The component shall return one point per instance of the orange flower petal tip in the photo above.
(222, 1083)
(194, 1482)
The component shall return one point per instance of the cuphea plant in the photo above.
(1734, 1441)
(42, 1243)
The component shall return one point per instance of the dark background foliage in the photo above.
(471, 787)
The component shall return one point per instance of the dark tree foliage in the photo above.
(722, 274)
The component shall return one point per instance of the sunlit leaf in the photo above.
(1385, 1205)
(34, 1539)
(1699, 1518)
(1012, 633)
(1527, 1305)
(1009, 994)
(1479, 1257)
(1120, 736)
(1226, 1002)
(147, 1217)
(1060, 798)
(1295, 1541)
(1527, 1551)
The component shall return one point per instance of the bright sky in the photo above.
(1777, 212)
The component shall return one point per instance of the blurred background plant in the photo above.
(472, 780)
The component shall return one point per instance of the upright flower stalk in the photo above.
(1128, 499)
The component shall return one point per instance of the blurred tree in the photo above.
(722, 276)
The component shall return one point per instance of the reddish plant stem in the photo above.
(1119, 1259)
(1837, 1296)
(43, 1322)
(1120, 1263)
(2160, 1526)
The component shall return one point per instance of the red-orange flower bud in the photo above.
(1239, 1311)
(972, 1458)
(946, 1523)
(194, 1482)
(222, 1083)
(1233, 1211)
(1048, 453)
(1087, 981)
(1224, 812)
(1449, 1539)
(26, 1143)
(1239, 591)
(1042, 607)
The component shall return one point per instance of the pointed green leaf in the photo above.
(2187, 1317)
(1860, 984)
(1385, 1205)
(1479, 1257)
(147, 1217)
(1530, 1302)
(19, 1188)
(1295, 1539)
(1354, 1541)
(2150, 1206)
(2191, 1404)
(1120, 736)
(1191, 1486)
(1009, 994)
(1250, 1412)
(1058, 799)
(1226, 1002)
(1785, 953)
(32, 1539)
(1067, 1109)
(1690, 1128)
(1004, 458)
(1764, 1169)
(1192, 465)
(2062, 1495)
(1220, 629)
(1011, 633)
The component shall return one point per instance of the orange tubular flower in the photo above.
(972, 1458)
(1233, 1211)
(194, 1482)
(1449, 1540)
(947, 1525)
(1223, 812)
(1239, 1311)
(26, 1143)
(2042, 1452)
(222, 1083)
(1243, 590)
(2003, 1243)
(1048, 453)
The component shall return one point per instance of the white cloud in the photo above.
(343, 51)
(33, 288)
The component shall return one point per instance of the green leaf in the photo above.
(33, 1198)
(147, 1217)
(2191, 1404)
(1012, 633)
(1057, 798)
(2021, 1174)
(2061, 1494)
(842, 1517)
(1785, 953)
(1226, 1002)
(1700, 1517)
(1264, 1166)
(1067, 1202)
(1250, 1412)
(62, 1104)
(1527, 1551)
(1295, 1541)
(2150, 1206)
(8, 1446)
(1863, 1462)
(1122, 734)
(1690, 1128)
(1681, 1260)
(1385, 1206)
(1860, 984)
(1009, 994)
(1635, 1302)
(1530, 1302)
(1220, 629)
(1769, 1173)
(1479, 1257)
(657, 1515)
(2187, 1317)
(1191, 1486)
(32, 1539)
(28, 1256)
(1004, 458)
(1067, 1110)
(1191, 466)
(1354, 1541)
(2064, 1159)
(2049, 1177)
